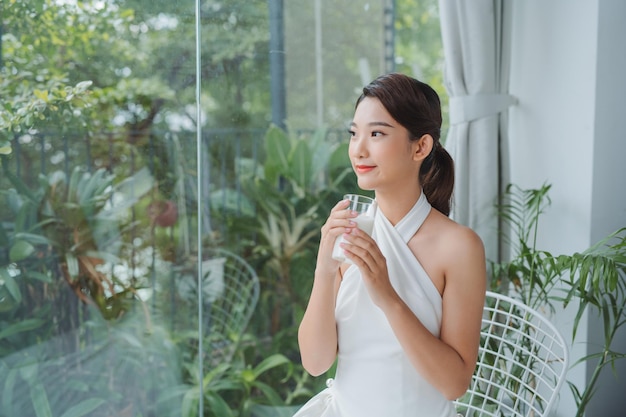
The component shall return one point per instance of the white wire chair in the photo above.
(522, 362)
(230, 292)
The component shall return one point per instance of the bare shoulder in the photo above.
(463, 241)
(452, 254)
(453, 238)
(460, 250)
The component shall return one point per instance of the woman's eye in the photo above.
(351, 133)
(377, 134)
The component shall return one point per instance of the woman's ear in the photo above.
(423, 147)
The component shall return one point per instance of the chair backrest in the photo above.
(522, 362)
(230, 292)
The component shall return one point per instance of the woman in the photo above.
(403, 320)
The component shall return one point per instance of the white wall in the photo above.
(568, 71)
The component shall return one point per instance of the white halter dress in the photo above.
(374, 376)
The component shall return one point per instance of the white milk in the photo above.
(365, 223)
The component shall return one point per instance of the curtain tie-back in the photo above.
(465, 109)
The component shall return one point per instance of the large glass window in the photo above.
(165, 169)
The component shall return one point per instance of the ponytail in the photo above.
(437, 178)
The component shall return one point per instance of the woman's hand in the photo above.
(364, 252)
(339, 222)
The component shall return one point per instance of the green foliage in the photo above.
(292, 199)
(129, 356)
(419, 47)
(43, 78)
(284, 203)
(529, 270)
(593, 280)
(236, 388)
(350, 37)
(61, 231)
(597, 283)
(234, 51)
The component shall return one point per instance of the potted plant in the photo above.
(593, 280)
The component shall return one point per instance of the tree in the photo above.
(419, 48)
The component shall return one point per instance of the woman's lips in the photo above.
(362, 169)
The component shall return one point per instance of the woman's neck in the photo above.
(396, 205)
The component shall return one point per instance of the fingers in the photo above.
(362, 249)
(339, 221)
(340, 218)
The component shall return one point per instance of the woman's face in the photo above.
(381, 153)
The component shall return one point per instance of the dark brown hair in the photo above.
(416, 106)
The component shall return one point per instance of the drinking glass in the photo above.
(366, 208)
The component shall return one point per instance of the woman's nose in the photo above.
(358, 147)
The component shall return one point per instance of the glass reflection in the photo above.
(106, 203)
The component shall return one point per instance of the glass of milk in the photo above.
(366, 209)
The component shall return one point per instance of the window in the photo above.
(120, 171)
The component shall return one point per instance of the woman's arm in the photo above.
(317, 334)
(446, 362)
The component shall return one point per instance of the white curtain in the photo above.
(475, 44)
